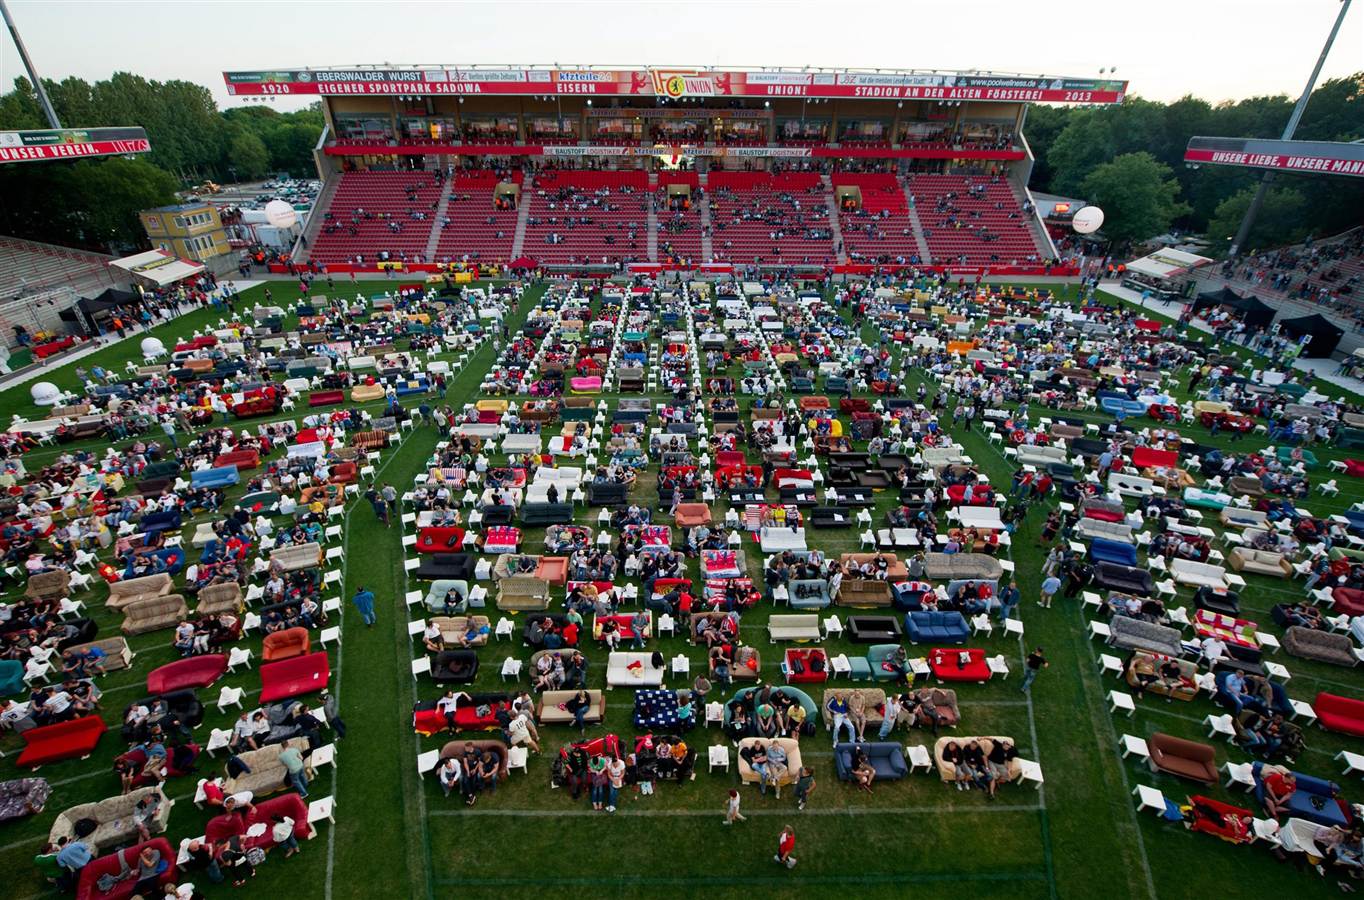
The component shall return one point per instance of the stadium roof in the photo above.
(1167, 263)
(158, 266)
(1315, 157)
(680, 82)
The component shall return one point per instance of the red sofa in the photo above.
(344, 473)
(43, 351)
(1150, 458)
(242, 459)
(944, 663)
(52, 743)
(807, 675)
(438, 539)
(291, 677)
(326, 398)
(88, 886)
(201, 342)
(1337, 713)
(1354, 468)
(192, 672)
(1349, 601)
(222, 827)
(1103, 515)
(428, 721)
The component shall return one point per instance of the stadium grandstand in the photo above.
(593, 170)
(30, 267)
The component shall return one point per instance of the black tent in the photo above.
(1223, 297)
(1254, 312)
(1324, 335)
(88, 311)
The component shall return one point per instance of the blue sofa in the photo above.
(936, 628)
(221, 477)
(1280, 703)
(163, 520)
(412, 386)
(817, 600)
(907, 596)
(888, 759)
(1301, 805)
(1105, 550)
(11, 677)
(877, 654)
(173, 557)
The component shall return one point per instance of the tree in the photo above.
(249, 155)
(1280, 220)
(108, 194)
(1138, 195)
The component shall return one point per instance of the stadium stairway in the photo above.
(522, 215)
(832, 203)
(653, 220)
(707, 247)
(303, 248)
(442, 208)
(919, 240)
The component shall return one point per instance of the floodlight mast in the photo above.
(1243, 233)
(43, 101)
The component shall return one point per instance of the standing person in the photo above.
(168, 426)
(294, 776)
(380, 505)
(805, 786)
(1008, 599)
(786, 842)
(1050, 586)
(732, 813)
(283, 834)
(332, 710)
(1034, 664)
(364, 601)
(891, 713)
(390, 495)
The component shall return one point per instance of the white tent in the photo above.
(158, 266)
(1167, 263)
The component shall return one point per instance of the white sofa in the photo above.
(521, 443)
(778, 540)
(1130, 485)
(793, 627)
(1198, 574)
(937, 457)
(1040, 456)
(620, 674)
(1095, 528)
(360, 362)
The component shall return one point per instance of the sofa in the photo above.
(113, 818)
(219, 598)
(299, 556)
(242, 459)
(1089, 528)
(121, 593)
(634, 669)
(49, 585)
(117, 654)
(948, 772)
(1315, 799)
(1341, 714)
(1261, 562)
(924, 627)
(452, 629)
(887, 758)
(187, 673)
(949, 664)
(446, 567)
(64, 740)
(864, 593)
(455, 667)
(225, 826)
(1323, 646)
(22, 797)
(1235, 517)
(153, 614)
(1185, 759)
(793, 627)
(1198, 574)
(874, 704)
(896, 570)
(1123, 579)
(267, 772)
(793, 761)
(217, 477)
(285, 644)
(546, 513)
(957, 566)
(87, 887)
(549, 708)
(292, 677)
(455, 749)
(1111, 551)
(873, 629)
(690, 515)
(1144, 661)
(808, 593)
(1128, 633)
(522, 593)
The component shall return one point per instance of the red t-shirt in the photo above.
(1275, 783)
(786, 843)
(213, 793)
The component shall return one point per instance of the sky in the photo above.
(1215, 49)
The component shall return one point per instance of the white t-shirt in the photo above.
(282, 830)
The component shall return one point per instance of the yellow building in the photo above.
(189, 230)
